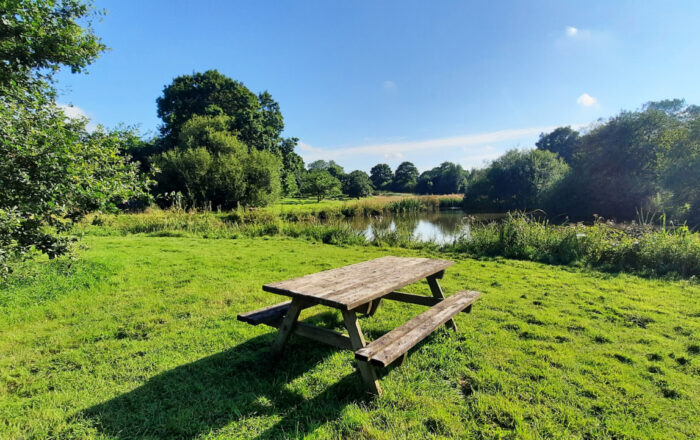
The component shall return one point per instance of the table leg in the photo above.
(287, 327)
(358, 341)
(437, 293)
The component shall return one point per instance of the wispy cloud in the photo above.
(400, 149)
(389, 85)
(586, 100)
(577, 33)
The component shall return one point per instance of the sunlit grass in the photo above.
(138, 338)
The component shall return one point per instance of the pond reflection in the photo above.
(440, 227)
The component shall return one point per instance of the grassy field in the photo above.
(138, 339)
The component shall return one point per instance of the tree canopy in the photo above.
(381, 176)
(405, 177)
(357, 184)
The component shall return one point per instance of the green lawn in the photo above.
(141, 341)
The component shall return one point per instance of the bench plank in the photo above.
(266, 314)
(394, 344)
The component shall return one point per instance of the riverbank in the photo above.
(138, 337)
(608, 247)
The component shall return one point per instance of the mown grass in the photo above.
(138, 339)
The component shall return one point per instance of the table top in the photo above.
(351, 286)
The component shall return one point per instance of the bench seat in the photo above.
(397, 342)
(266, 315)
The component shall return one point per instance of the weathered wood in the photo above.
(349, 287)
(266, 314)
(358, 341)
(397, 342)
(437, 293)
(323, 335)
(287, 326)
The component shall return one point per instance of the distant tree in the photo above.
(682, 176)
(519, 180)
(321, 184)
(357, 184)
(405, 177)
(381, 176)
(563, 141)
(447, 178)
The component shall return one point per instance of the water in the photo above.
(440, 227)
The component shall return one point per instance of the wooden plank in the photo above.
(358, 341)
(287, 326)
(416, 299)
(318, 334)
(266, 314)
(437, 293)
(394, 344)
(351, 286)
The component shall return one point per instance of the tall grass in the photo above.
(519, 236)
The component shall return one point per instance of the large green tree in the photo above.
(405, 177)
(381, 176)
(518, 180)
(357, 184)
(52, 170)
(563, 141)
(448, 178)
(211, 166)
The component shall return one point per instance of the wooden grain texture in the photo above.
(266, 314)
(394, 344)
(437, 293)
(287, 327)
(351, 286)
(420, 300)
(369, 375)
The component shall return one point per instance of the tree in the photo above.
(405, 177)
(381, 176)
(448, 178)
(38, 38)
(52, 170)
(321, 184)
(357, 184)
(563, 141)
(212, 166)
(519, 180)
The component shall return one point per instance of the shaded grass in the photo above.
(150, 348)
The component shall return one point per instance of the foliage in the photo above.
(563, 141)
(518, 180)
(448, 178)
(547, 352)
(321, 184)
(52, 170)
(38, 38)
(357, 184)
(212, 166)
(405, 177)
(381, 176)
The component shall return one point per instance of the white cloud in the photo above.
(395, 156)
(73, 112)
(586, 100)
(399, 149)
(574, 33)
(389, 85)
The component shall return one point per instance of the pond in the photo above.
(440, 227)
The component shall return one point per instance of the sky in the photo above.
(367, 82)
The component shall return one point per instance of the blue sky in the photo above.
(375, 81)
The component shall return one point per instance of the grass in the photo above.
(138, 339)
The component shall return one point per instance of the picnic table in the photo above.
(359, 288)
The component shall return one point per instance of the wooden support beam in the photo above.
(288, 324)
(417, 299)
(358, 342)
(437, 293)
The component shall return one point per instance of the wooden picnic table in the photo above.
(359, 288)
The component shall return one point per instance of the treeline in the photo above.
(633, 165)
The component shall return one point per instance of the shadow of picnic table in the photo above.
(236, 384)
